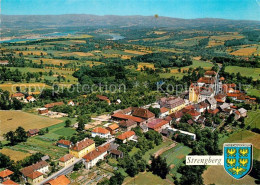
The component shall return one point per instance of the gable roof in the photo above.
(210, 73)
(95, 153)
(60, 180)
(29, 98)
(66, 157)
(30, 169)
(5, 173)
(126, 117)
(213, 111)
(100, 130)
(50, 105)
(17, 95)
(157, 123)
(113, 126)
(143, 113)
(127, 123)
(82, 144)
(9, 182)
(102, 97)
(126, 135)
(163, 110)
(33, 131)
(64, 142)
(212, 100)
(34, 175)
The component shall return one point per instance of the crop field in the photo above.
(81, 54)
(37, 53)
(10, 120)
(217, 175)
(13, 154)
(148, 65)
(220, 39)
(32, 87)
(244, 52)
(53, 61)
(135, 52)
(244, 71)
(253, 118)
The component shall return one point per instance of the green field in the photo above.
(175, 156)
(146, 178)
(150, 152)
(253, 92)
(244, 71)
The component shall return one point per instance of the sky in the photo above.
(227, 9)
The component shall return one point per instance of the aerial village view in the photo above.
(132, 92)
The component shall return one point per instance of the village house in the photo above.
(191, 111)
(120, 117)
(212, 102)
(127, 125)
(158, 124)
(66, 160)
(176, 117)
(82, 148)
(236, 115)
(9, 182)
(104, 98)
(144, 128)
(4, 62)
(32, 132)
(205, 93)
(126, 111)
(126, 136)
(143, 113)
(116, 154)
(18, 96)
(64, 143)
(34, 173)
(213, 112)
(113, 128)
(43, 110)
(210, 74)
(172, 103)
(94, 156)
(243, 112)
(5, 175)
(60, 180)
(100, 132)
(30, 99)
(220, 98)
(163, 112)
(35, 177)
(51, 105)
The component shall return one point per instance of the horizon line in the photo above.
(130, 16)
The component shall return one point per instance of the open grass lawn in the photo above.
(11, 119)
(217, 175)
(146, 178)
(244, 71)
(175, 156)
(244, 136)
(164, 144)
(253, 119)
(253, 92)
(13, 154)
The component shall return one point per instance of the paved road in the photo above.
(62, 171)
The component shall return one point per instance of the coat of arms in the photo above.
(238, 159)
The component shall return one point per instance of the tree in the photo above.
(17, 105)
(256, 171)
(117, 179)
(159, 166)
(156, 111)
(67, 123)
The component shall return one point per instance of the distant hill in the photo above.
(49, 21)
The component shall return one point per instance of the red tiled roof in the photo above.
(127, 123)
(95, 153)
(66, 157)
(234, 94)
(113, 126)
(30, 169)
(100, 130)
(231, 85)
(5, 173)
(17, 95)
(237, 112)
(168, 118)
(163, 110)
(213, 111)
(34, 175)
(126, 117)
(126, 135)
(143, 113)
(29, 98)
(220, 96)
(102, 97)
(220, 101)
(157, 123)
(33, 131)
(9, 182)
(82, 144)
(4, 62)
(206, 80)
(177, 115)
(233, 107)
(50, 105)
(61, 180)
(64, 142)
(193, 112)
(222, 78)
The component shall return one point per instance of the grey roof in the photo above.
(212, 100)
(242, 110)
(46, 157)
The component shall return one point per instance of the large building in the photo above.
(174, 104)
(82, 148)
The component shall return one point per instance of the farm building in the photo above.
(32, 132)
(18, 96)
(113, 128)
(103, 98)
(64, 143)
(100, 132)
(127, 125)
(126, 136)
(158, 124)
(43, 110)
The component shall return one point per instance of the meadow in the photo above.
(10, 120)
(244, 71)
(14, 154)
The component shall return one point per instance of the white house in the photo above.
(163, 112)
(71, 103)
(213, 103)
(100, 132)
(96, 155)
(126, 136)
(30, 99)
(42, 167)
(173, 130)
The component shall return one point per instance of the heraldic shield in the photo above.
(238, 159)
